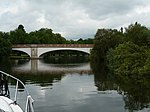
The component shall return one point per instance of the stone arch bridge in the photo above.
(36, 50)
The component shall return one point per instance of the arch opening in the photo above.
(65, 57)
(16, 54)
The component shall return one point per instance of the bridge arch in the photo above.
(42, 51)
(25, 50)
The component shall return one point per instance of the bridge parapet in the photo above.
(53, 45)
(21, 46)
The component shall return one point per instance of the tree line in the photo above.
(41, 36)
(123, 52)
(124, 55)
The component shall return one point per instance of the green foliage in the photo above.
(5, 45)
(104, 40)
(131, 59)
(85, 41)
(21, 27)
(138, 34)
(18, 36)
(127, 53)
(128, 59)
(42, 36)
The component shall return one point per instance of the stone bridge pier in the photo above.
(34, 52)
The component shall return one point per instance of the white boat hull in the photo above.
(7, 105)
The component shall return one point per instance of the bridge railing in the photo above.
(53, 45)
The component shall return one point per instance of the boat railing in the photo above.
(29, 101)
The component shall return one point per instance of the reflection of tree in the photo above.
(5, 64)
(65, 57)
(4, 90)
(102, 79)
(41, 78)
(135, 90)
(136, 93)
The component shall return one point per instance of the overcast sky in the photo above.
(73, 19)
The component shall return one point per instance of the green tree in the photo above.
(85, 41)
(5, 45)
(21, 27)
(103, 41)
(46, 36)
(88, 41)
(80, 41)
(18, 36)
(128, 59)
(138, 34)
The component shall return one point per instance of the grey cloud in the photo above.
(100, 9)
(72, 18)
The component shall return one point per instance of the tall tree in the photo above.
(21, 27)
(104, 40)
(138, 34)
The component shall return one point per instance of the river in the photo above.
(69, 87)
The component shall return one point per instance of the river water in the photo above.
(69, 87)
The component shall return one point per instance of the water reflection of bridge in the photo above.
(38, 66)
